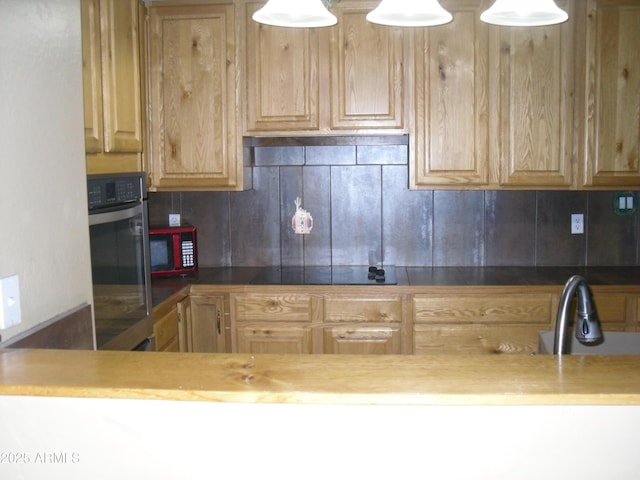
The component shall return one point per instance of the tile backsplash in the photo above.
(363, 212)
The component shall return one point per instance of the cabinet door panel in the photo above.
(535, 118)
(451, 116)
(367, 75)
(193, 106)
(282, 76)
(274, 308)
(362, 309)
(165, 331)
(121, 72)
(475, 339)
(92, 75)
(362, 339)
(613, 94)
(274, 339)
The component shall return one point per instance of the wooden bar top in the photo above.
(324, 379)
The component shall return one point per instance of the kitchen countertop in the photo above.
(324, 379)
(164, 287)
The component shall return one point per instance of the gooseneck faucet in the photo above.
(587, 324)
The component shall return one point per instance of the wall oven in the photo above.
(118, 229)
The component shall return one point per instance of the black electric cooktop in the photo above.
(351, 275)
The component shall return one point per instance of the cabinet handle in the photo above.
(218, 321)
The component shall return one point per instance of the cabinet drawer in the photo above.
(166, 329)
(271, 308)
(612, 310)
(506, 308)
(475, 339)
(274, 339)
(362, 340)
(363, 309)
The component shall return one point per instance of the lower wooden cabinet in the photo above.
(362, 324)
(378, 320)
(362, 339)
(202, 326)
(167, 325)
(481, 323)
(271, 323)
(279, 339)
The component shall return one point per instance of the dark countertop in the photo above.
(413, 276)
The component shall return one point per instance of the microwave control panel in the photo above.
(188, 254)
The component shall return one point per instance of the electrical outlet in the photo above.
(10, 296)
(174, 219)
(577, 223)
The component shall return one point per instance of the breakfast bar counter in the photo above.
(324, 379)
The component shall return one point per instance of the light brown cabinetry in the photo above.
(195, 136)
(429, 320)
(493, 322)
(346, 78)
(271, 323)
(202, 327)
(535, 89)
(112, 85)
(167, 325)
(493, 105)
(451, 109)
(611, 103)
(359, 324)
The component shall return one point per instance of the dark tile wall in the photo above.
(364, 213)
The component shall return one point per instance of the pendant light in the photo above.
(295, 13)
(524, 13)
(409, 13)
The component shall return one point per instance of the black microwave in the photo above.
(173, 251)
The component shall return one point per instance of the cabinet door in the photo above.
(111, 76)
(121, 76)
(271, 323)
(361, 339)
(194, 133)
(92, 75)
(207, 324)
(534, 119)
(451, 142)
(166, 330)
(362, 324)
(282, 76)
(367, 71)
(612, 113)
(482, 323)
(273, 338)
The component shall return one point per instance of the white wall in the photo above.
(43, 206)
(74, 438)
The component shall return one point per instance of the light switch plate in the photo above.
(10, 296)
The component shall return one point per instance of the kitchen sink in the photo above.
(615, 343)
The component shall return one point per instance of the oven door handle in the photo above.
(115, 215)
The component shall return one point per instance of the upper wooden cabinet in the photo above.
(195, 136)
(112, 85)
(534, 96)
(349, 78)
(611, 106)
(450, 142)
(493, 105)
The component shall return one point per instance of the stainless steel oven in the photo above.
(118, 228)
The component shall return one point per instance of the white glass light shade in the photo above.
(295, 13)
(409, 13)
(524, 13)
